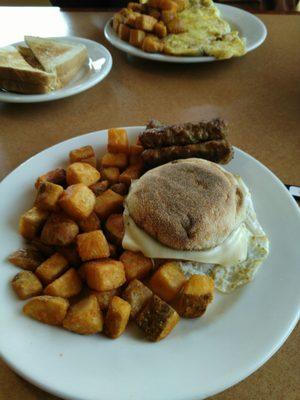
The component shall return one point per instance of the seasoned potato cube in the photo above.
(28, 259)
(105, 275)
(117, 317)
(117, 141)
(41, 247)
(175, 26)
(71, 254)
(26, 284)
(137, 266)
(131, 18)
(57, 176)
(168, 5)
(99, 187)
(78, 201)
(168, 15)
(132, 172)
(115, 228)
(108, 203)
(114, 160)
(89, 224)
(137, 295)
(111, 174)
(123, 32)
(136, 7)
(136, 37)
(84, 154)
(31, 222)
(195, 296)
(160, 29)
(59, 230)
(92, 245)
(145, 22)
(157, 319)
(167, 281)
(117, 20)
(80, 172)
(52, 268)
(152, 44)
(67, 285)
(104, 298)
(119, 188)
(84, 317)
(136, 149)
(47, 309)
(48, 195)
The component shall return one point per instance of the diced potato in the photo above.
(111, 174)
(154, 13)
(135, 152)
(136, 149)
(48, 195)
(167, 281)
(195, 296)
(28, 259)
(157, 319)
(26, 284)
(123, 32)
(104, 298)
(137, 295)
(152, 44)
(52, 268)
(89, 224)
(59, 230)
(160, 29)
(113, 250)
(131, 18)
(108, 203)
(92, 245)
(47, 309)
(81, 172)
(114, 160)
(117, 20)
(130, 173)
(175, 26)
(57, 176)
(136, 7)
(117, 141)
(41, 247)
(117, 317)
(119, 188)
(137, 266)
(31, 222)
(145, 22)
(78, 201)
(84, 317)
(67, 285)
(99, 187)
(71, 254)
(136, 37)
(115, 228)
(168, 5)
(168, 15)
(84, 154)
(105, 275)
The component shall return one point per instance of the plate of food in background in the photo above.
(45, 69)
(184, 31)
(158, 234)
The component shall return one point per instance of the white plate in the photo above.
(95, 70)
(201, 357)
(249, 27)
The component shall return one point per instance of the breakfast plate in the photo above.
(201, 357)
(95, 70)
(249, 27)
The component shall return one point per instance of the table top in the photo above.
(258, 95)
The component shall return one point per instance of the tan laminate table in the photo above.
(259, 95)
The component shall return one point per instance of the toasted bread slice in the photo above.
(58, 57)
(29, 57)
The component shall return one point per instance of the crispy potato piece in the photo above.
(89, 224)
(84, 317)
(168, 16)
(117, 317)
(135, 152)
(47, 309)
(48, 195)
(57, 176)
(175, 26)
(154, 13)
(117, 20)
(137, 295)
(25, 284)
(145, 22)
(67, 285)
(137, 266)
(136, 7)
(78, 201)
(195, 296)
(119, 188)
(136, 149)
(168, 5)
(104, 298)
(99, 187)
(132, 172)
(123, 32)
(108, 203)
(71, 254)
(111, 174)
(41, 247)
(115, 228)
(152, 44)
(59, 230)
(167, 281)
(160, 29)
(114, 160)
(105, 275)
(81, 172)
(117, 141)
(28, 259)
(84, 154)
(136, 37)
(31, 222)
(92, 245)
(52, 268)
(157, 319)
(131, 18)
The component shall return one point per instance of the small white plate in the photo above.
(250, 27)
(200, 357)
(95, 70)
